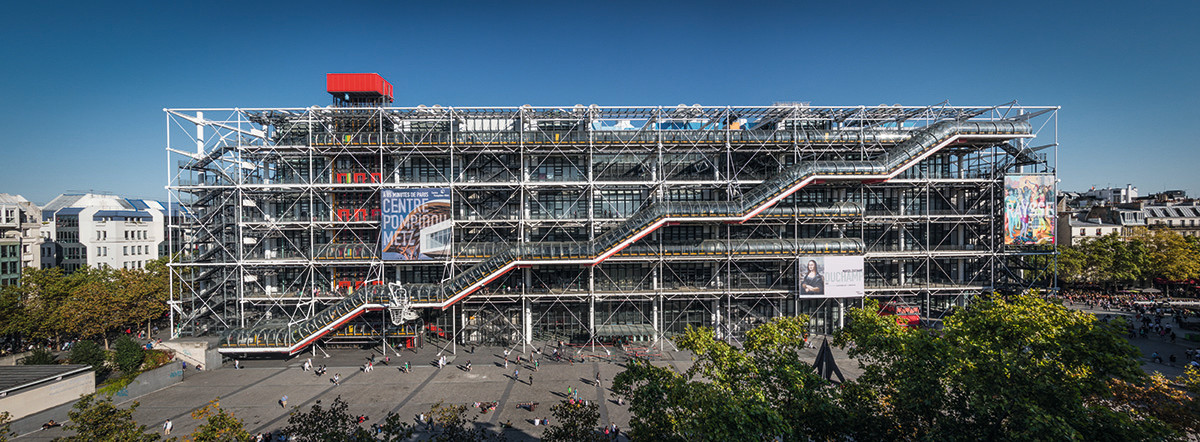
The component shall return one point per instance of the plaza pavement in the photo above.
(1149, 345)
(253, 392)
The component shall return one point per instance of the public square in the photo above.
(253, 392)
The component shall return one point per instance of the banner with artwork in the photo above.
(414, 223)
(831, 276)
(1029, 209)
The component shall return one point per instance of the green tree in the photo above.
(1158, 399)
(95, 306)
(1190, 380)
(40, 297)
(450, 424)
(1017, 368)
(1171, 256)
(129, 355)
(758, 392)
(219, 425)
(145, 292)
(40, 356)
(6, 426)
(89, 353)
(1071, 261)
(325, 424)
(574, 422)
(95, 419)
(12, 311)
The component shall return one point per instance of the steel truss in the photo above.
(283, 212)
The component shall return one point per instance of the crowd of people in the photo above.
(1148, 315)
(1129, 301)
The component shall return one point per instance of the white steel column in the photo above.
(526, 321)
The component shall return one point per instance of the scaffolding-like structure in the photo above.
(588, 223)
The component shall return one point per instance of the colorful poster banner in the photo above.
(831, 277)
(409, 214)
(1029, 209)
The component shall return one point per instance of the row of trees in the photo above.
(89, 303)
(1002, 369)
(1144, 256)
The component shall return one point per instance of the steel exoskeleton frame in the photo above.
(282, 211)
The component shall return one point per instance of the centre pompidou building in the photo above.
(361, 222)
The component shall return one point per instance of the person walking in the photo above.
(167, 426)
(516, 373)
(531, 376)
(597, 379)
(237, 365)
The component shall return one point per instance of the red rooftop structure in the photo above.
(358, 89)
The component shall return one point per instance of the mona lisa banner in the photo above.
(831, 277)
(1029, 209)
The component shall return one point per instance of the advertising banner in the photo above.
(831, 277)
(1029, 209)
(409, 214)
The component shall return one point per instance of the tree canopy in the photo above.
(1143, 256)
(1016, 368)
(758, 392)
(219, 425)
(88, 303)
(96, 418)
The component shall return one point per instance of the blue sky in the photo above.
(84, 83)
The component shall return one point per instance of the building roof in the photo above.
(1172, 211)
(12, 199)
(71, 204)
(16, 377)
(1076, 222)
(125, 214)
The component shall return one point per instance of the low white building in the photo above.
(1114, 195)
(1075, 228)
(101, 230)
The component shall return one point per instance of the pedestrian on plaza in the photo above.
(468, 365)
(283, 401)
(597, 379)
(337, 379)
(167, 426)
(516, 372)
(237, 365)
(387, 360)
(531, 375)
(535, 364)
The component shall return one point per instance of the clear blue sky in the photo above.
(84, 83)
